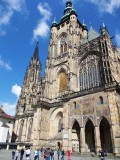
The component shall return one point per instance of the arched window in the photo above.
(63, 81)
(24, 108)
(90, 72)
(20, 130)
(59, 119)
(74, 105)
(29, 130)
(63, 43)
(101, 100)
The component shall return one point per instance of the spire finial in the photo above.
(91, 25)
(103, 24)
(35, 55)
(84, 22)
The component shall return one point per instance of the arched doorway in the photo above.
(29, 132)
(105, 135)
(89, 136)
(76, 137)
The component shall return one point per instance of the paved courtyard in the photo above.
(7, 155)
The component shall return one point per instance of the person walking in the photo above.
(58, 153)
(62, 155)
(21, 154)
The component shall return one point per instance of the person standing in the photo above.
(21, 154)
(13, 154)
(38, 153)
(16, 154)
(58, 153)
(35, 154)
(62, 155)
(27, 153)
(52, 154)
(69, 154)
(48, 154)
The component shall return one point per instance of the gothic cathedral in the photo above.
(77, 104)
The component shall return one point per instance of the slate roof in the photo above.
(92, 34)
(3, 114)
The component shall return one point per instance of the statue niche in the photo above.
(63, 81)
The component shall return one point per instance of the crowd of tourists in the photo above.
(46, 154)
(40, 154)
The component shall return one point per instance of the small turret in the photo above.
(104, 30)
(85, 30)
(54, 23)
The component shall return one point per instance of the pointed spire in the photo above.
(35, 55)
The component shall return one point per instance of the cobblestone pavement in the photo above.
(7, 155)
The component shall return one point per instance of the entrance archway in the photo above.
(89, 136)
(76, 137)
(105, 135)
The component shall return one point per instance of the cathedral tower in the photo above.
(29, 97)
(66, 37)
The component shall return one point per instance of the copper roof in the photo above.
(5, 115)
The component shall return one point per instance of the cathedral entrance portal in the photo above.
(105, 135)
(76, 137)
(89, 136)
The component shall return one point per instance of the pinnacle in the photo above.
(36, 51)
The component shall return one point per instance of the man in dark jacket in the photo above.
(21, 154)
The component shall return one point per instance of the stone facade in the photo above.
(77, 104)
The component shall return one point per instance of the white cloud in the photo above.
(7, 10)
(4, 64)
(9, 108)
(108, 6)
(16, 90)
(42, 28)
(117, 37)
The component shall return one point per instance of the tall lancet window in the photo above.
(90, 75)
(29, 130)
(63, 81)
(20, 130)
(63, 43)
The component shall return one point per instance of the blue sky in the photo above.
(23, 22)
